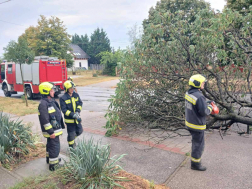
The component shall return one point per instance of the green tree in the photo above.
(175, 45)
(19, 53)
(239, 5)
(49, 38)
(81, 41)
(85, 42)
(99, 42)
(110, 60)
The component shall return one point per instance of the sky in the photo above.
(82, 17)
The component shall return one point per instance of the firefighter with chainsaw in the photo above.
(71, 106)
(196, 111)
(71, 79)
(51, 122)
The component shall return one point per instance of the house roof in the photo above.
(78, 52)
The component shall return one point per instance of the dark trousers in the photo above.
(53, 150)
(198, 143)
(73, 130)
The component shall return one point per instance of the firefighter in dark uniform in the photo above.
(196, 111)
(71, 106)
(51, 122)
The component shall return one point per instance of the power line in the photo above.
(5, 1)
(11, 23)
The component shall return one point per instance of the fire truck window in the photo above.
(9, 68)
(2, 68)
(3, 72)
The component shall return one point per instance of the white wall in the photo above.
(84, 63)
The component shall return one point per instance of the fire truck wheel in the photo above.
(6, 92)
(29, 92)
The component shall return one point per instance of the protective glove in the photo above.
(210, 106)
(55, 124)
(77, 117)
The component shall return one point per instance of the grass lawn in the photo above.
(18, 106)
(86, 78)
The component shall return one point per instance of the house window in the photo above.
(9, 68)
(80, 64)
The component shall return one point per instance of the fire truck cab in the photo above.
(43, 69)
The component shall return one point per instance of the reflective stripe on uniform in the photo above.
(73, 103)
(68, 101)
(53, 160)
(69, 120)
(209, 109)
(47, 126)
(191, 98)
(195, 160)
(68, 112)
(199, 127)
(51, 110)
(79, 107)
(71, 142)
(77, 99)
(56, 132)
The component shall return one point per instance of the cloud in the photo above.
(81, 17)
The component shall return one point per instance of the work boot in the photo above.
(197, 166)
(47, 160)
(55, 166)
(73, 146)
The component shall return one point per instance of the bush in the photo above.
(15, 138)
(91, 165)
(95, 75)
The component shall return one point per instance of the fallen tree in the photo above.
(182, 38)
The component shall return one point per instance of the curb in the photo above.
(136, 140)
(13, 174)
(176, 171)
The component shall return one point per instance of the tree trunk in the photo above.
(23, 85)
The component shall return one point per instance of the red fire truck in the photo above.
(43, 69)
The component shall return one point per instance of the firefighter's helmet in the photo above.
(197, 80)
(68, 85)
(45, 87)
(70, 78)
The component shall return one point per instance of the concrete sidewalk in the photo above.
(30, 169)
(228, 162)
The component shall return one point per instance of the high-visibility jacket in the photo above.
(196, 110)
(48, 109)
(69, 106)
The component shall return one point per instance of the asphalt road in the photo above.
(95, 97)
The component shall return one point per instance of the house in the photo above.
(79, 56)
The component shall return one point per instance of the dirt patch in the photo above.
(137, 182)
(18, 106)
(56, 180)
(35, 153)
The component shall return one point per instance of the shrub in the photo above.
(95, 75)
(91, 165)
(15, 138)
